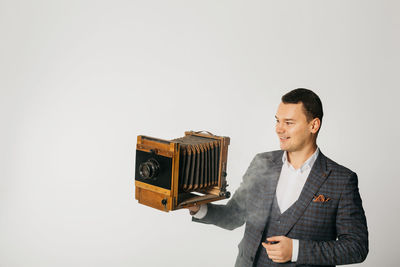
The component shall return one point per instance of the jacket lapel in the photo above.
(268, 177)
(316, 178)
(272, 181)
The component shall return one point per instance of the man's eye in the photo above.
(289, 123)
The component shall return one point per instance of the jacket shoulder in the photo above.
(270, 155)
(338, 168)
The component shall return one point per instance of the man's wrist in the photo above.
(201, 213)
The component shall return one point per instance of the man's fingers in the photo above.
(275, 238)
(194, 208)
(276, 258)
(271, 247)
(276, 254)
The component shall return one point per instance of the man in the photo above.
(299, 207)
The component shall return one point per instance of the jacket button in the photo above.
(251, 258)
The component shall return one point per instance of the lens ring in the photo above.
(145, 170)
(149, 169)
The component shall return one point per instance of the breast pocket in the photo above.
(319, 219)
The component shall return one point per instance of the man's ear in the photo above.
(314, 125)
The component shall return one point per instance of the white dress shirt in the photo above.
(291, 181)
(290, 184)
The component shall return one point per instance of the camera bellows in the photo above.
(179, 173)
(199, 162)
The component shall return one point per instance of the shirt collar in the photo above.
(309, 162)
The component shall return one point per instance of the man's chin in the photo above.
(284, 148)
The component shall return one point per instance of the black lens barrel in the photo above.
(149, 169)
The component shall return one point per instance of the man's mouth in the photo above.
(284, 138)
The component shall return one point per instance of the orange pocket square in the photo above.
(321, 198)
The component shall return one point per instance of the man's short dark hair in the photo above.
(311, 102)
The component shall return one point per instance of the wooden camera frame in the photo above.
(171, 197)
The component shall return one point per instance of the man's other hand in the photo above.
(194, 209)
(279, 252)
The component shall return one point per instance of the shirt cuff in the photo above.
(295, 250)
(201, 213)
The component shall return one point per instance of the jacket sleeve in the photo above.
(351, 245)
(233, 214)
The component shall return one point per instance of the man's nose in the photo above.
(278, 128)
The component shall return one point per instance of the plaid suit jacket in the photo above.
(329, 233)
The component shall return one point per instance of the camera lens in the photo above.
(149, 169)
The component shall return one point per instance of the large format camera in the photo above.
(183, 172)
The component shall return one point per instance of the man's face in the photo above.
(294, 131)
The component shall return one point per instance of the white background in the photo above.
(79, 80)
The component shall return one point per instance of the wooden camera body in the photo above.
(183, 172)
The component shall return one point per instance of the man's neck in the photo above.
(297, 158)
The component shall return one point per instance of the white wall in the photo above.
(79, 80)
